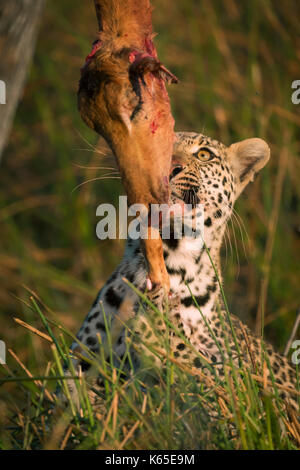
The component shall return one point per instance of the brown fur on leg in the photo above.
(154, 254)
(122, 96)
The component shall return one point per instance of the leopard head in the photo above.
(206, 172)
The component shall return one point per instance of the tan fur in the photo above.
(122, 96)
(117, 18)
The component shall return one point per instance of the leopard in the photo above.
(208, 177)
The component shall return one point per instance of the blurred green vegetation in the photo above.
(236, 61)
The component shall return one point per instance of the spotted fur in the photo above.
(204, 172)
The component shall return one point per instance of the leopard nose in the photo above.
(175, 170)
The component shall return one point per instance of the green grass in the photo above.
(147, 408)
(236, 62)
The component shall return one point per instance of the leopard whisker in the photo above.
(227, 234)
(95, 167)
(238, 220)
(236, 247)
(94, 149)
(104, 177)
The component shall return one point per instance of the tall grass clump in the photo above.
(173, 406)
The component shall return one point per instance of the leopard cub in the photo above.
(207, 174)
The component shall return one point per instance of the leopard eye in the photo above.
(205, 155)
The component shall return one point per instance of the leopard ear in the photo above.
(247, 158)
